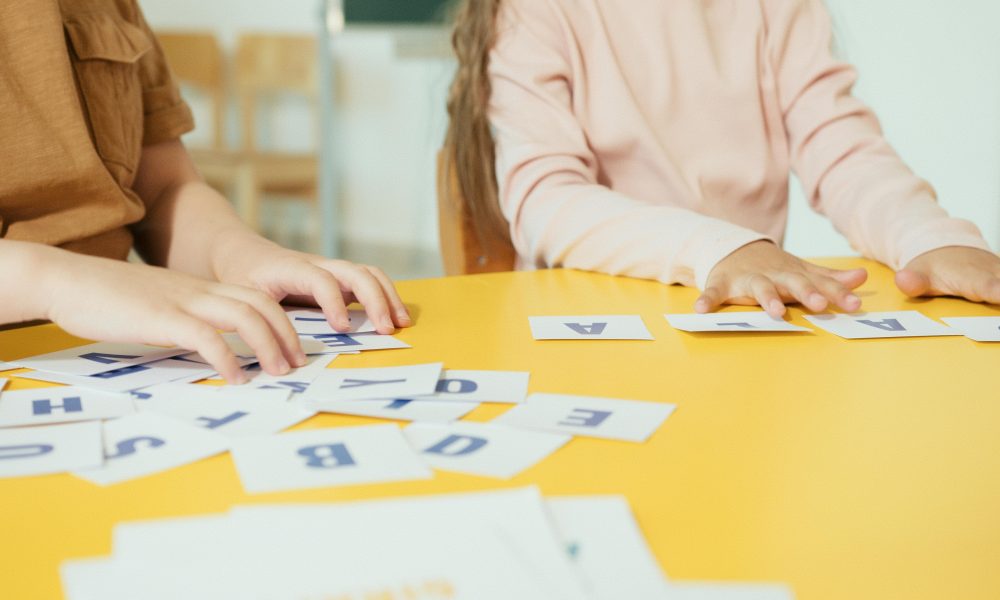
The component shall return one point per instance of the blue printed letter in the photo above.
(466, 445)
(45, 407)
(129, 446)
(582, 417)
(29, 451)
(211, 423)
(329, 456)
(456, 386)
(592, 329)
(884, 325)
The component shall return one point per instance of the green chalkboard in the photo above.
(396, 11)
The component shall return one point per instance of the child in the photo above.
(89, 126)
(654, 140)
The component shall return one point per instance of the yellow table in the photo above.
(852, 470)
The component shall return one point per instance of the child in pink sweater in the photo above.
(655, 139)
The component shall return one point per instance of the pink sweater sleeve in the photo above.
(849, 171)
(560, 215)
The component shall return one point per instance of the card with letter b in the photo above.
(326, 457)
(629, 420)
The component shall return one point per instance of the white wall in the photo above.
(930, 69)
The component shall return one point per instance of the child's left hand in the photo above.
(969, 273)
(307, 279)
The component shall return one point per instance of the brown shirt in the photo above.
(83, 87)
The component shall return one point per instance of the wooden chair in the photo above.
(268, 66)
(463, 250)
(198, 62)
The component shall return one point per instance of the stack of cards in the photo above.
(481, 546)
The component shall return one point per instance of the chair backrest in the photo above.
(268, 64)
(197, 60)
(463, 250)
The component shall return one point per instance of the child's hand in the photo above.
(108, 300)
(763, 274)
(970, 273)
(305, 279)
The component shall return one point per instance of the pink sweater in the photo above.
(652, 138)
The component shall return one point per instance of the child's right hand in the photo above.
(108, 300)
(763, 274)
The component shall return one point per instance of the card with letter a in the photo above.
(629, 420)
(326, 457)
(600, 327)
(906, 323)
(740, 322)
(53, 449)
(98, 358)
(980, 329)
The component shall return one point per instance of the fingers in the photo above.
(913, 283)
(837, 293)
(194, 334)
(325, 290)
(228, 314)
(400, 316)
(767, 296)
(851, 278)
(369, 293)
(710, 300)
(803, 290)
(276, 319)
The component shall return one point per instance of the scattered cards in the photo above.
(54, 449)
(373, 384)
(731, 322)
(249, 412)
(325, 458)
(980, 329)
(907, 323)
(628, 420)
(46, 406)
(482, 449)
(602, 327)
(146, 443)
(136, 377)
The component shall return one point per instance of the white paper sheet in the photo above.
(344, 343)
(907, 323)
(734, 322)
(482, 449)
(146, 443)
(45, 406)
(52, 449)
(401, 409)
(589, 327)
(374, 384)
(230, 413)
(97, 358)
(609, 418)
(728, 591)
(509, 387)
(326, 458)
(135, 377)
(608, 548)
(980, 329)
(296, 381)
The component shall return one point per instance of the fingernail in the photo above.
(403, 316)
(301, 359)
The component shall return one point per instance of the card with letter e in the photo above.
(146, 443)
(54, 449)
(980, 329)
(402, 409)
(481, 448)
(344, 343)
(599, 327)
(508, 387)
(45, 406)
(98, 358)
(374, 384)
(906, 323)
(318, 458)
(740, 322)
(609, 418)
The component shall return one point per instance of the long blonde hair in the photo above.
(469, 146)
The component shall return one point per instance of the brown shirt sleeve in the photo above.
(166, 115)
